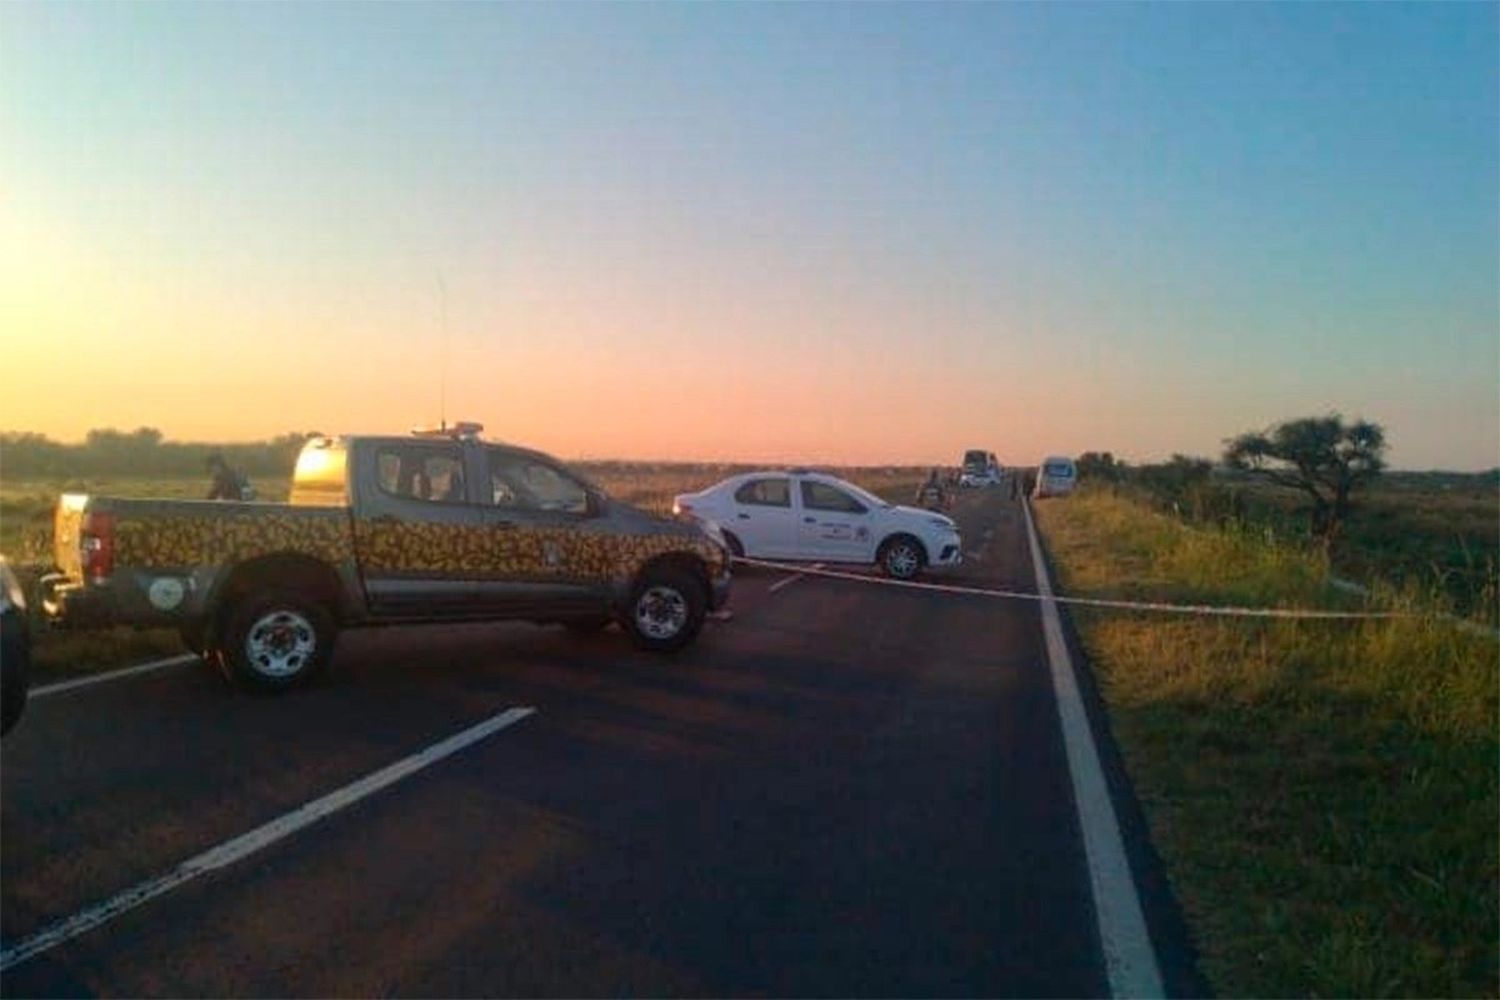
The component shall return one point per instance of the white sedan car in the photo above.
(817, 517)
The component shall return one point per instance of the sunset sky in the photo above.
(831, 233)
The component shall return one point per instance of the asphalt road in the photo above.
(847, 790)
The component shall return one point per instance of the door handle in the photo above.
(501, 525)
(809, 520)
(743, 517)
(385, 519)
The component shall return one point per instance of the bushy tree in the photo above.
(1100, 466)
(1323, 457)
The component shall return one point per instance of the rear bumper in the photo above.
(68, 604)
(120, 600)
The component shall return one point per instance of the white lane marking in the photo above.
(1129, 959)
(113, 675)
(261, 837)
(791, 579)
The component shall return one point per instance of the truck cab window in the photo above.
(526, 483)
(434, 474)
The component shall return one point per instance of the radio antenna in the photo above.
(443, 369)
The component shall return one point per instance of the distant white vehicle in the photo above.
(804, 515)
(1056, 477)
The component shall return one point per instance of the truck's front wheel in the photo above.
(666, 610)
(275, 641)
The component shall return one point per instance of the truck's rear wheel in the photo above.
(275, 641)
(666, 610)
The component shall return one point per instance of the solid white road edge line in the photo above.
(140, 668)
(1129, 958)
(261, 837)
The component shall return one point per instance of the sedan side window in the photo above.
(765, 493)
(523, 482)
(821, 496)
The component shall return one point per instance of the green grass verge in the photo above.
(1324, 795)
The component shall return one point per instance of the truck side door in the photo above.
(414, 528)
(538, 548)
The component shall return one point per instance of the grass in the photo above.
(1324, 795)
(26, 508)
(1437, 531)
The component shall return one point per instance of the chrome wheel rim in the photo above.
(902, 560)
(280, 643)
(661, 612)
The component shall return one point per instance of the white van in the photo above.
(1056, 477)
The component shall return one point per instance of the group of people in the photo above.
(933, 493)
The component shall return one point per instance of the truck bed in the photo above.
(190, 541)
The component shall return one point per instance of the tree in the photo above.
(1322, 457)
(1094, 465)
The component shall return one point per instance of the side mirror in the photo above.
(596, 504)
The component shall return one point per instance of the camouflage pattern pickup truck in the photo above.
(383, 530)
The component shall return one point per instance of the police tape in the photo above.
(1091, 602)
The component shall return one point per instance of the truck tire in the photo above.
(666, 609)
(275, 641)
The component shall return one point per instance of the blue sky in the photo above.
(804, 232)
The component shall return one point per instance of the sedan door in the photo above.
(760, 515)
(832, 524)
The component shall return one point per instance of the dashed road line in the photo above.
(256, 840)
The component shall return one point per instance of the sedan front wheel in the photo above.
(902, 558)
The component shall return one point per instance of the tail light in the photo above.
(96, 546)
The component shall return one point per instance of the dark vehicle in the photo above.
(979, 469)
(15, 649)
(384, 530)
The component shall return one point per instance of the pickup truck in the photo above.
(376, 531)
